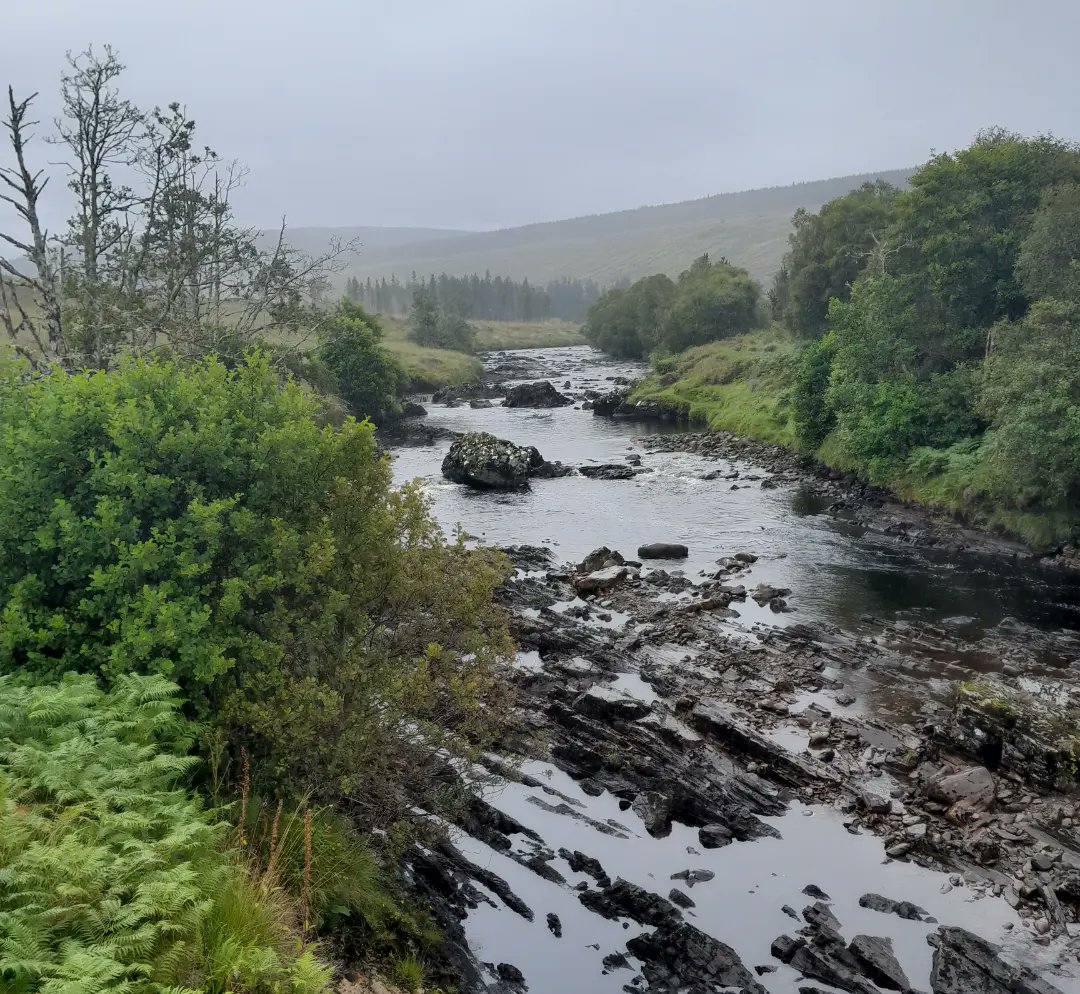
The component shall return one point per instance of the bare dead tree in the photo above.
(152, 254)
(26, 188)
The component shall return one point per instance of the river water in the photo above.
(851, 580)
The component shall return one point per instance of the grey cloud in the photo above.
(487, 113)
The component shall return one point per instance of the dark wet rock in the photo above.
(479, 459)
(616, 961)
(879, 962)
(679, 957)
(663, 550)
(552, 471)
(762, 969)
(725, 724)
(790, 912)
(680, 898)
(413, 410)
(714, 836)
(824, 957)
(600, 702)
(887, 906)
(579, 862)
(763, 593)
(654, 809)
(510, 974)
(623, 899)
(540, 394)
(615, 403)
(480, 403)
(966, 964)
(820, 916)
(814, 891)
(608, 471)
(554, 925)
(694, 876)
(973, 787)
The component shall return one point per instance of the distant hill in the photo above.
(749, 228)
(371, 239)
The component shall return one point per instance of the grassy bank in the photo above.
(744, 385)
(739, 385)
(430, 369)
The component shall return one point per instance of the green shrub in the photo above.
(365, 373)
(197, 522)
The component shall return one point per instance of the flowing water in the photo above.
(851, 580)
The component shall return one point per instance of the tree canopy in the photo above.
(957, 333)
(710, 301)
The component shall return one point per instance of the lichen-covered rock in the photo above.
(1030, 731)
(479, 459)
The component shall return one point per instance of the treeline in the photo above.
(234, 658)
(942, 325)
(657, 315)
(486, 298)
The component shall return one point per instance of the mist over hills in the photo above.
(749, 228)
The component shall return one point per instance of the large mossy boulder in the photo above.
(479, 459)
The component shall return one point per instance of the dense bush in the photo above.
(366, 375)
(197, 522)
(814, 419)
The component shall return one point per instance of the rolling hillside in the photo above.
(749, 228)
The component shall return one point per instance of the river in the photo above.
(850, 578)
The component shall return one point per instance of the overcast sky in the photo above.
(489, 113)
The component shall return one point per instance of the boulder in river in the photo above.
(663, 550)
(540, 394)
(479, 459)
(413, 410)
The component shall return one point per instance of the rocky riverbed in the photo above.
(728, 787)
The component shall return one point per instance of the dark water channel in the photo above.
(853, 581)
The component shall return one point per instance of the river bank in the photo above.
(751, 748)
(745, 386)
